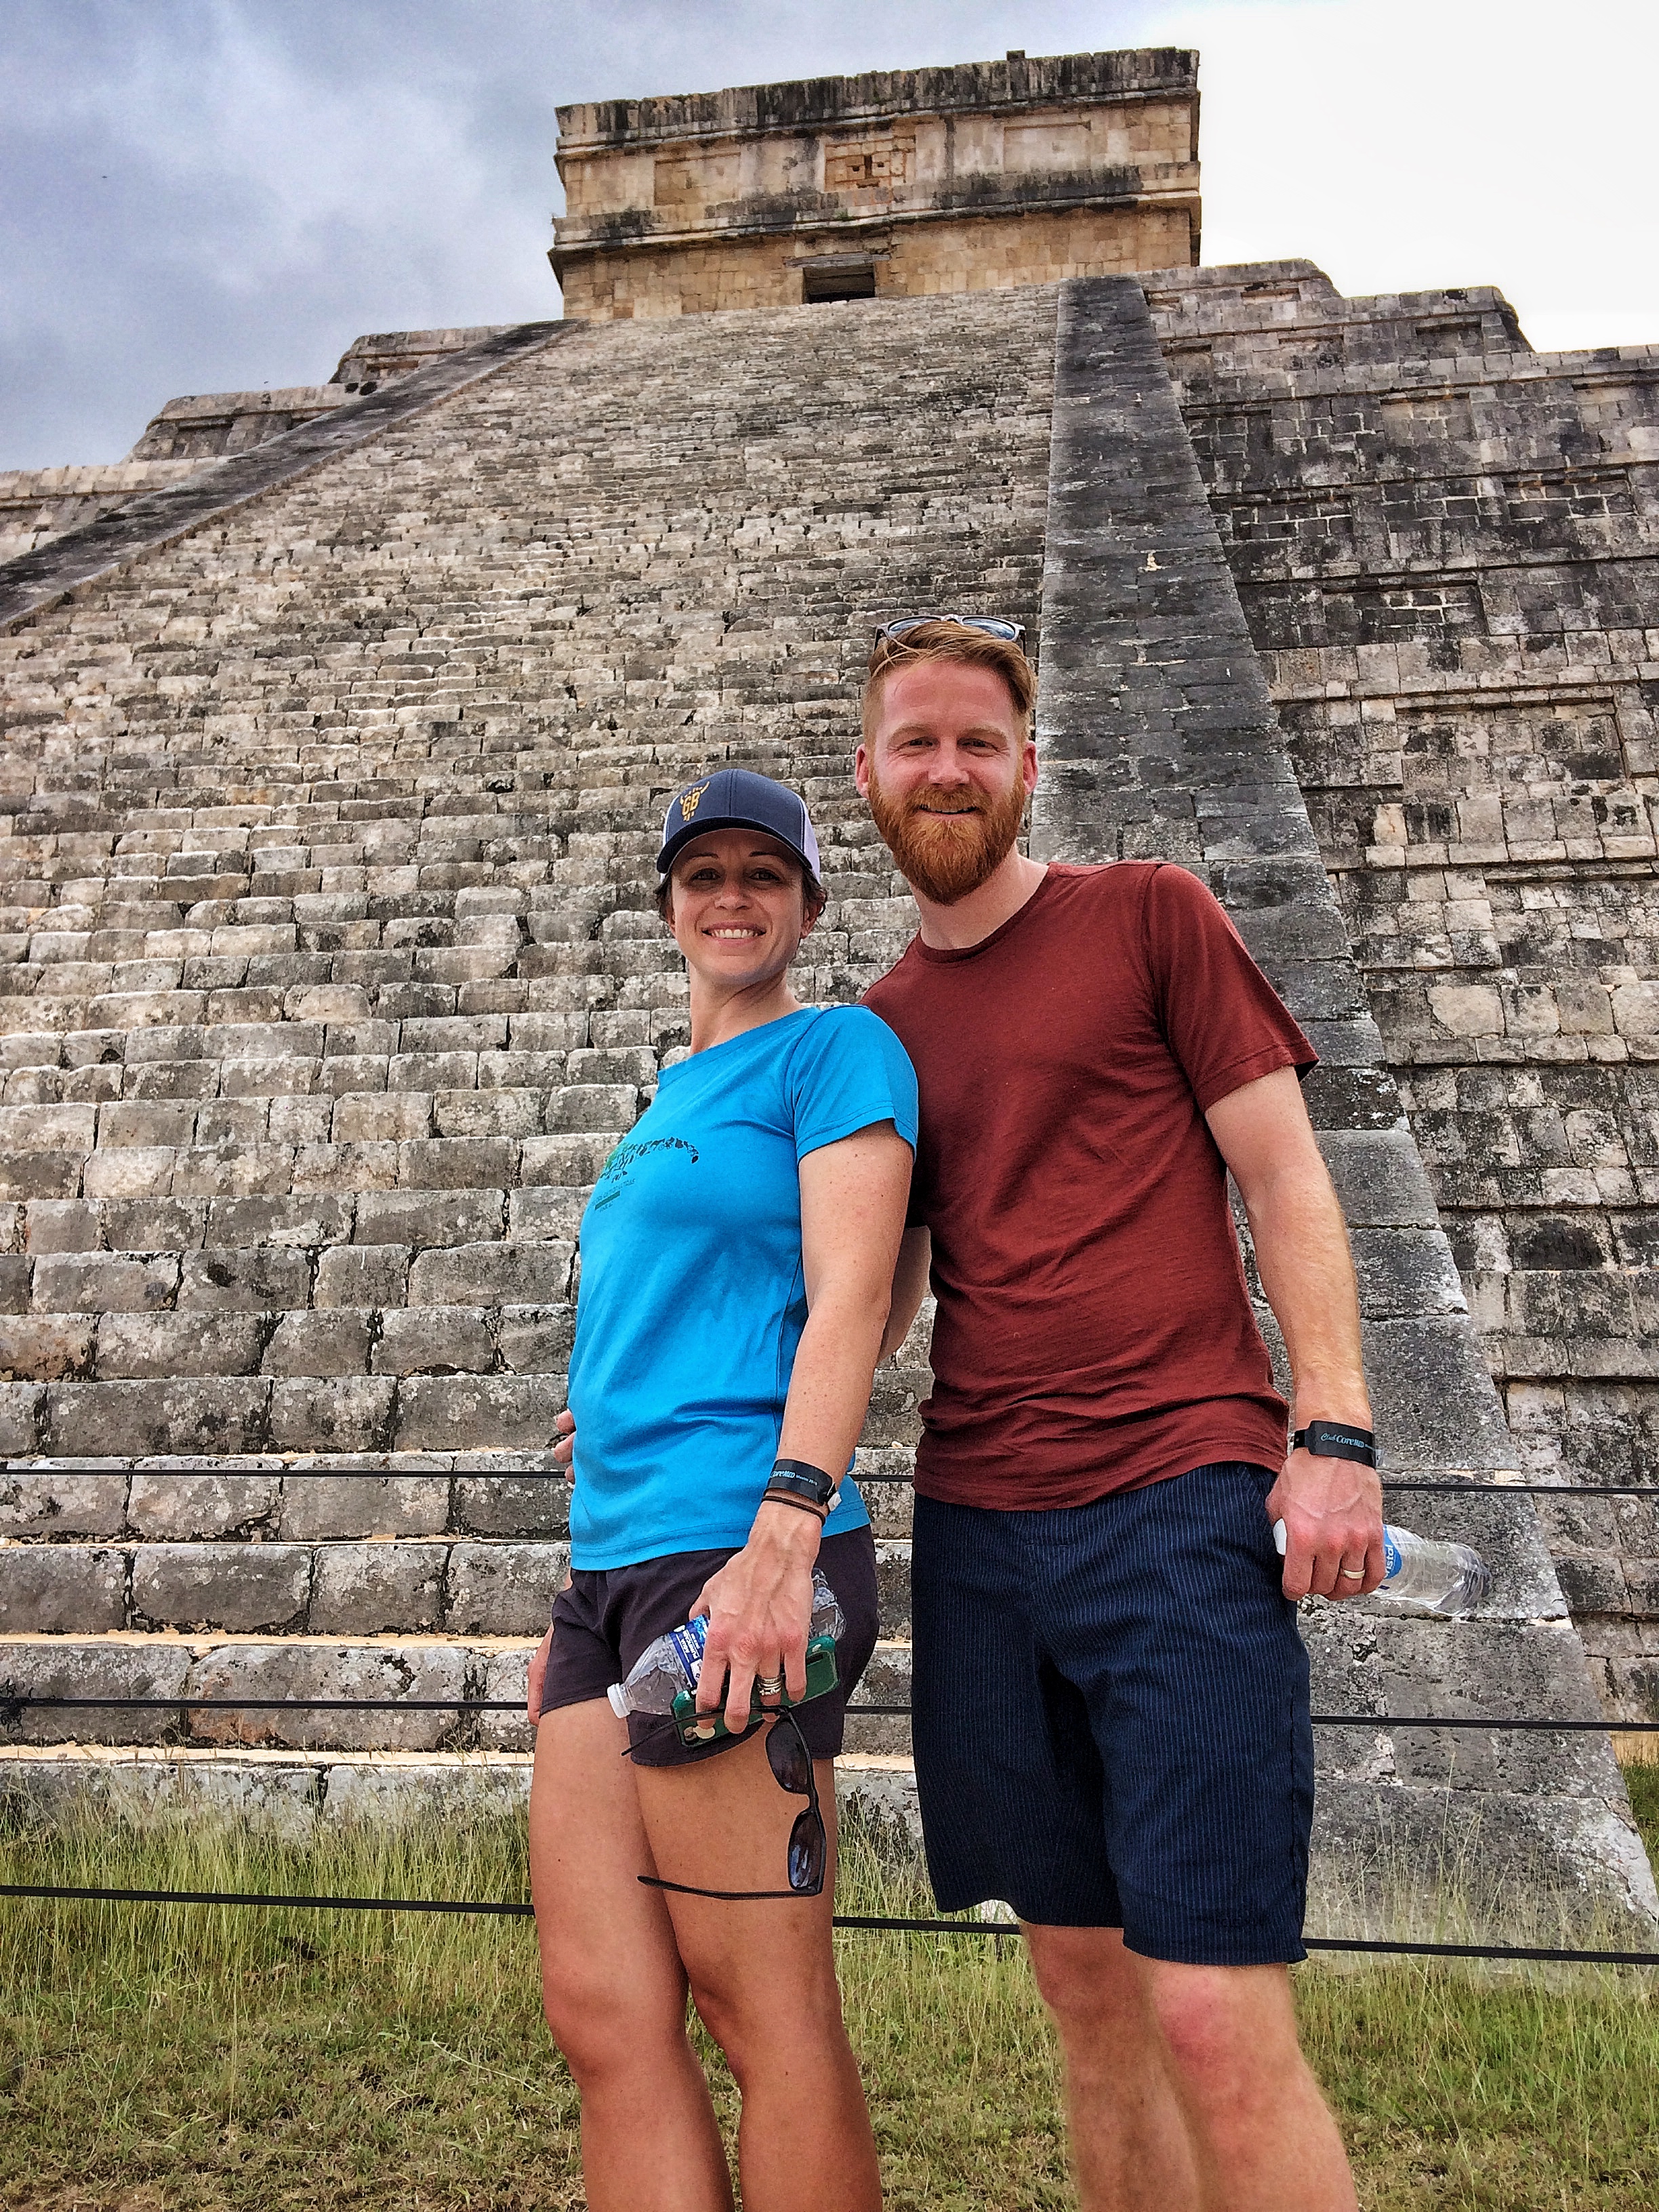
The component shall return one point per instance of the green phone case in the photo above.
(821, 1675)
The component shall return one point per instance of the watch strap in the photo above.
(1336, 1440)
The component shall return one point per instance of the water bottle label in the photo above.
(1391, 1558)
(688, 1643)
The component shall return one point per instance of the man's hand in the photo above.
(564, 1437)
(759, 1607)
(1332, 1509)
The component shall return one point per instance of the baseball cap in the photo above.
(738, 799)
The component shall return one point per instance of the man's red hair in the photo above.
(954, 641)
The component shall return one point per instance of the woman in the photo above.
(737, 1258)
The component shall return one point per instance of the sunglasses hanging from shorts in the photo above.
(993, 625)
(791, 1763)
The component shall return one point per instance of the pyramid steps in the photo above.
(329, 977)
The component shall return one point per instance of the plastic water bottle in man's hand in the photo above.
(1422, 1570)
(674, 1661)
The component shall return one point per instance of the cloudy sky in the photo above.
(215, 195)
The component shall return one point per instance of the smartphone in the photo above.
(822, 1675)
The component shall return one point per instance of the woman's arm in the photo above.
(915, 1259)
(853, 1198)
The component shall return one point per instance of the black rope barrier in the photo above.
(473, 1470)
(1528, 1951)
(860, 1922)
(10, 1700)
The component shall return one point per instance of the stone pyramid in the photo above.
(332, 976)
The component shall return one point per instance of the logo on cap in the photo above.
(691, 800)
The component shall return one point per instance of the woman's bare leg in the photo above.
(612, 1985)
(763, 1979)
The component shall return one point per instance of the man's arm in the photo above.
(1332, 1509)
(910, 1289)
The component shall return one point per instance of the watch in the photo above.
(1336, 1440)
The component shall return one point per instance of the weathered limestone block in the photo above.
(893, 1587)
(240, 1587)
(512, 1506)
(351, 1412)
(507, 1273)
(184, 1345)
(359, 1277)
(359, 1589)
(502, 1589)
(486, 1412)
(162, 1787)
(57, 1589)
(19, 1417)
(435, 1340)
(435, 1216)
(44, 1348)
(179, 1507)
(264, 1280)
(535, 1340)
(69, 1669)
(318, 1505)
(279, 1672)
(886, 1682)
(325, 1343)
(214, 1415)
(505, 1675)
(50, 1504)
(102, 1283)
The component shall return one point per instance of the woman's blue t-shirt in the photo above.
(693, 1299)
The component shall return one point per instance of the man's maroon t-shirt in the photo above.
(1094, 1330)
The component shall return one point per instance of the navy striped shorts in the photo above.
(1111, 1716)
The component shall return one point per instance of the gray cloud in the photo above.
(217, 195)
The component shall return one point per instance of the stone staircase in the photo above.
(335, 976)
(1446, 550)
(200, 429)
(330, 974)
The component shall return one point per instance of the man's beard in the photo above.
(944, 856)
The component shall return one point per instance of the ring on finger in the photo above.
(1354, 1574)
(770, 1686)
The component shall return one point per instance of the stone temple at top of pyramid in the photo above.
(337, 721)
(894, 185)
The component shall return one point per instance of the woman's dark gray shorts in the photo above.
(610, 1615)
(1111, 1716)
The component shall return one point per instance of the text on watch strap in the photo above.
(1336, 1440)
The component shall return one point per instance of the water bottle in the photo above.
(1423, 1571)
(674, 1661)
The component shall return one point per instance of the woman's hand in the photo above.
(538, 1659)
(537, 1675)
(759, 1607)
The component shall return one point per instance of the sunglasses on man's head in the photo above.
(993, 625)
(791, 1763)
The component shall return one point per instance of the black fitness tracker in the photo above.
(797, 1479)
(1336, 1440)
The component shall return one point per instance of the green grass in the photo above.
(1642, 1779)
(206, 2059)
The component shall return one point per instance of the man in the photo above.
(1110, 1694)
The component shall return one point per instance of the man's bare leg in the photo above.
(1129, 2134)
(1261, 2132)
(1200, 2097)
